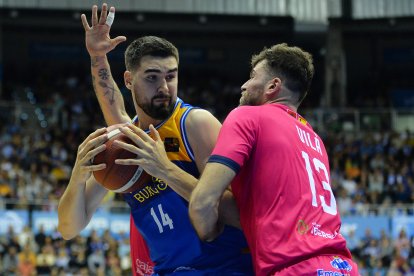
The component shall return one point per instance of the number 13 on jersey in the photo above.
(320, 168)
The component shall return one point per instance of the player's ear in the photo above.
(128, 79)
(273, 86)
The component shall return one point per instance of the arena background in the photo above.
(361, 103)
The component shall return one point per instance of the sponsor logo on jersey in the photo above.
(322, 272)
(302, 227)
(171, 144)
(151, 190)
(338, 263)
(316, 231)
(297, 116)
(143, 268)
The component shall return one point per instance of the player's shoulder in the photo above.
(198, 116)
(201, 122)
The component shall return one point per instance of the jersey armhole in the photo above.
(184, 134)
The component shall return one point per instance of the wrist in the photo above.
(168, 171)
(97, 59)
(78, 178)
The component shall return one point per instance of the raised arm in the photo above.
(83, 194)
(99, 43)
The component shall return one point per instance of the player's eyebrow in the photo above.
(159, 71)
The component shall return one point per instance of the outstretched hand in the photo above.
(97, 39)
(151, 154)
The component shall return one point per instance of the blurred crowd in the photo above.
(372, 173)
(382, 256)
(28, 254)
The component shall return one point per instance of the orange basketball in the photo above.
(119, 178)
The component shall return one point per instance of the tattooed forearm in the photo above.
(109, 91)
(93, 84)
(94, 61)
(103, 74)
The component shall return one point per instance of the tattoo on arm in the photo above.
(109, 91)
(94, 61)
(103, 74)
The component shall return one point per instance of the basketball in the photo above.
(119, 178)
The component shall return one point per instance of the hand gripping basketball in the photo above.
(119, 178)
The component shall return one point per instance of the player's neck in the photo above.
(283, 101)
(144, 121)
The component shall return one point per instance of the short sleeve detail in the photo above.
(225, 161)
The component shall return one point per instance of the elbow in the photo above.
(202, 226)
(195, 212)
(65, 232)
(202, 233)
(206, 236)
(206, 233)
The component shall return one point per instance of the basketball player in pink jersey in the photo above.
(279, 174)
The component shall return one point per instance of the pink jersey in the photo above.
(287, 209)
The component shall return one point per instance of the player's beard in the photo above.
(248, 99)
(158, 111)
(253, 95)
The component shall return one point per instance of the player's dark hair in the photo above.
(148, 46)
(291, 64)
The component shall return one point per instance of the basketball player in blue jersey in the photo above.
(182, 140)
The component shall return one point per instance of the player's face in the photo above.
(253, 89)
(154, 86)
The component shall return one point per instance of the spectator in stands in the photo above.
(45, 260)
(78, 260)
(353, 243)
(113, 263)
(13, 241)
(349, 184)
(26, 237)
(385, 249)
(62, 258)
(78, 244)
(27, 261)
(402, 244)
(344, 202)
(96, 260)
(11, 261)
(370, 253)
(376, 181)
(124, 253)
(40, 236)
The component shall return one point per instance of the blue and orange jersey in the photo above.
(161, 216)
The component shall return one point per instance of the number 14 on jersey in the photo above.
(165, 219)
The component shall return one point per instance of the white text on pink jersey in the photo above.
(311, 141)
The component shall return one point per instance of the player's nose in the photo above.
(163, 86)
(244, 87)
